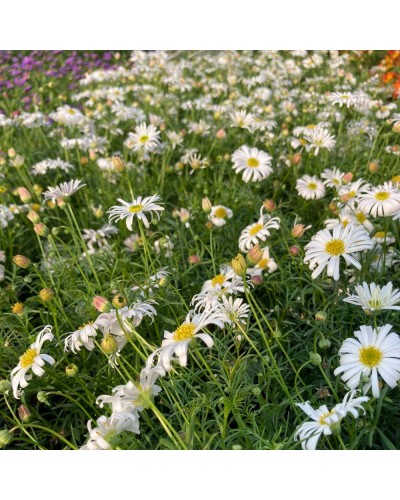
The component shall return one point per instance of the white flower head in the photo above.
(259, 231)
(374, 298)
(310, 187)
(63, 190)
(137, 208)
(255, 164)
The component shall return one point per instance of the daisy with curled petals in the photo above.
(236, 310)
(31, 359)
(219, 214)
(310, 187)
(325, 249)
(137, 208)
(373, 352)
(63, 190)
(374, 298)
(82, 337)
(145, 138)
(380, 201)
(318, 138)
(102, 436)
(177, 342)
(323, 421)
(255, 164)
(259, 231)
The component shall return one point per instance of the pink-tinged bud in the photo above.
(60, 202)
(396, 128)
(296, 159)
(254, 255)
(294, 250)
(21, 261)
(33, 216)
(184, 215)
(269, 205)
(206, 205)
(117, 164)
(298, 230)
(23, 413)
(333, 208)
(221, 134)
(194, 259)
(347, 178)
(101, 304)
(256, 280)
(163, 126)
(11, 153)
(345, 197)
(92, 155)
(373, 167)
(41, 229)
(24, 194)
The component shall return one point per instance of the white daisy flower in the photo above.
(31, 359)
(82, 337)
(374, 298)
(177, 342)
(323, 420)
(318, 138)
(100, 437)
(242, 119)
(63, 190)
(350, 215)
(343, 99)
(236, 310)
(374, 352)
(310, 187)
(137, 208)
(259, 231)
(219, 214)
(325, 249)
(145, 138)
(212, 291)
(255, 164)
(382, 238)
(380, 201)
(333, 177)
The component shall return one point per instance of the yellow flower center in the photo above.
(71, 111)
(345, 222)
(375, 303)
(312, 185)
(184, 332)
(27, 359)
(351, 194)
(218, 280)
(370, 356)
(322, 418)
(381, 195)
(144, 139)
(361, 217)
(220, 213)
(86, 324)
(335, 247)
(263, 263)
(255, 229)
(135, 208)
(379, 234)
(253, 163)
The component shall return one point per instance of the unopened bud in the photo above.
(18, 308)
(324, 344)
(41, 229)
(321, 316)
(256, 391)
(109, 344)
(315, 358)
(33, 216)
(18, 161)
(119, 301)
(206, 205)
(84, 160)
(269, 205)
(71, 370)
(101, 304)
(373, 167)
(209, 225)
(92, 155)
(37, 189)
(221, 134)
(5, 386)
(118, 163)
(396, 128)
(194, 259)
(256, 279)
(298, 230)
(5, 438)
(42, 397)
(23, 413)
(296, 159)
(24, 194)
(21, 261)
(46, 294)
(294, 250)
(11, 153)
(348, 177)
(333, 208)
(254, 255)
(239, 265)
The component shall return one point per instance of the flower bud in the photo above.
(92, 155)
(21, 261)
(117, 164)
(294, 250)
(5, 438)
(5, 385)
(23, 413)
(84, 160)
(239, 265)
(348, 177)
(206, 205)
(46, 294)
(109, 344)
(396, 128)
(18, 308)
(101, 304)
(18, 161)
(324, 344)
(296, 159)
(221, 134)
(209, 225)
(298, 230)
(237, 447)
(256, 391)
(254, 255)
(119, 301)
(24, 194)
(71, 370)
(41, 229)
(269, 205)
(373, 167)
(194, 259)
(321, 316)
(42, 397)
(315, 358)
(256, 279)
(36, 207)
(11, 153)
(33, 216)
(37, 189)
